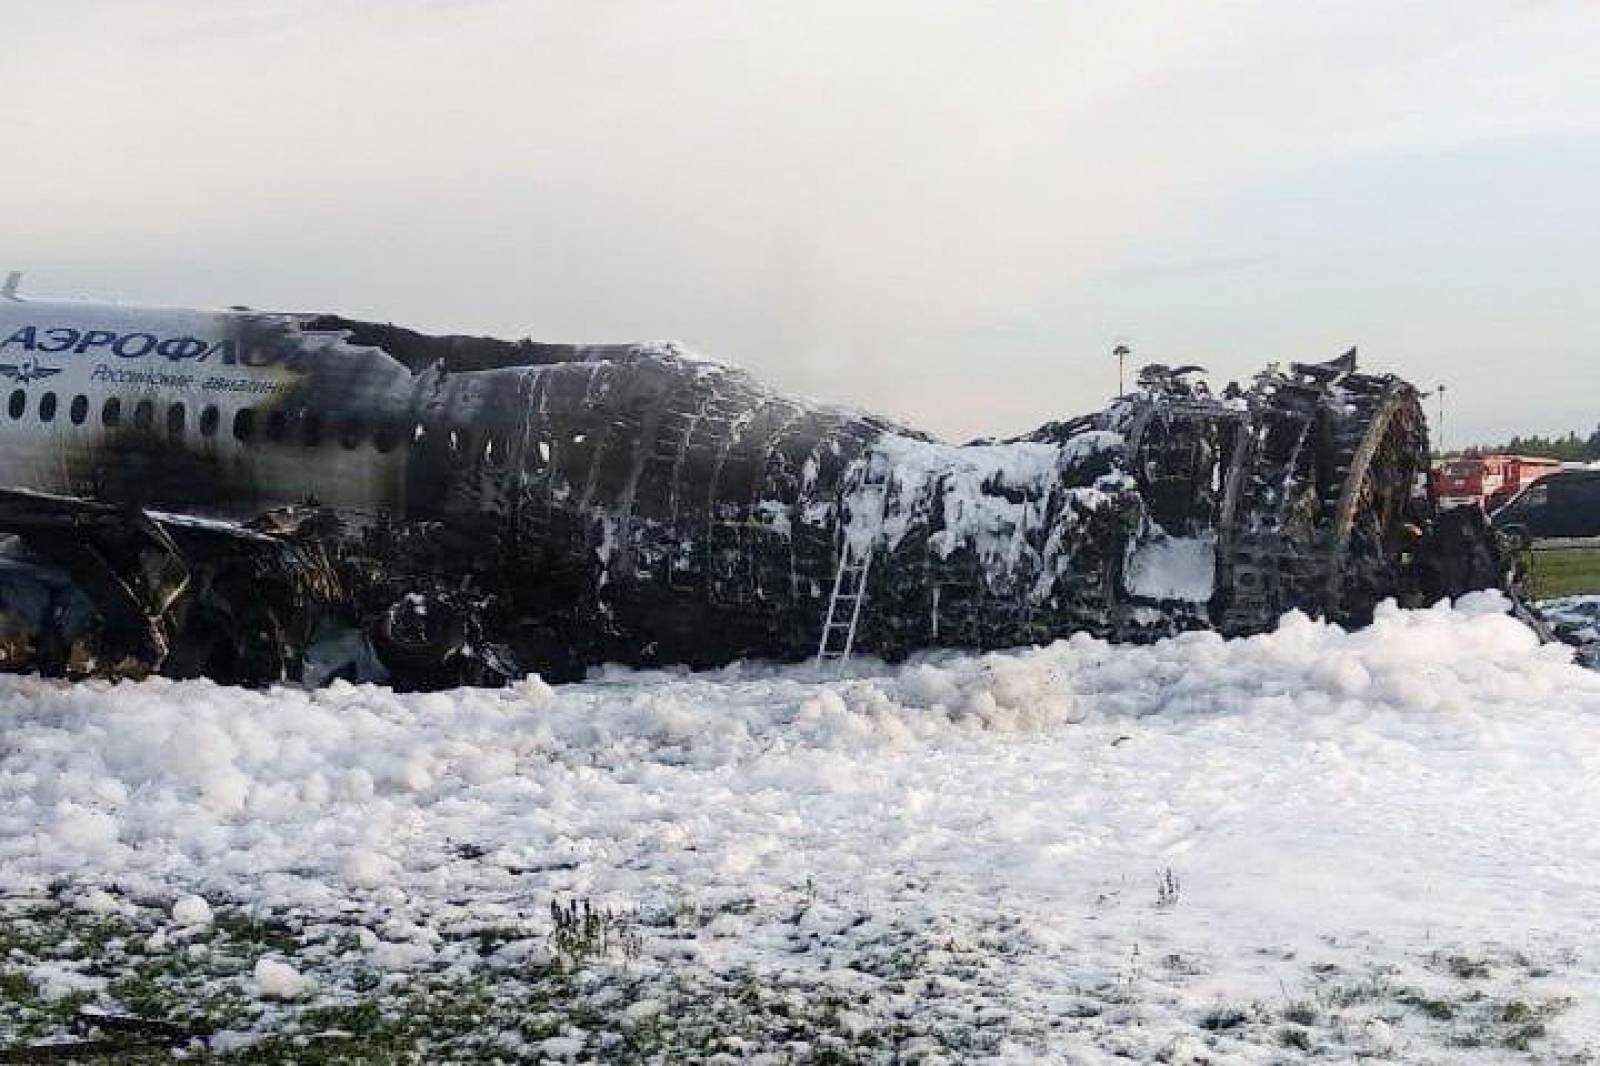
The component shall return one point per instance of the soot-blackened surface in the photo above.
(559, 506)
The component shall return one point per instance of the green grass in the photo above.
(1562, 572)
(174, 995)
(190, 994)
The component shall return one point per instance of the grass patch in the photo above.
(1440, 1010)
(1300, 1012)
(1562, 572)
(626, 986)
(153, 991)
(244, 927)
(15, 987)
(1466, 968)
(1168, 890)
(1224, 1018)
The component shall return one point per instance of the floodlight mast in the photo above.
(1441, 390)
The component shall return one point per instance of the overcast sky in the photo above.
(948, 212)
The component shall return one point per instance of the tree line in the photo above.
(1569, 449)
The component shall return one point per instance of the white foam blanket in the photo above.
(1369, 801)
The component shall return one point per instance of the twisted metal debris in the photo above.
(444, 510)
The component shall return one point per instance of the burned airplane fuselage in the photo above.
(261, 497)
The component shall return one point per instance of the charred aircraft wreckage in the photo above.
(262, 498)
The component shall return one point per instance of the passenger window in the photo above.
(1537, 496)
(111, 413)
(244, 424)
(384, 437)
(176, 416)
(208, 421)
(277, 422)
(1573, 495)
(80, 410)
(351, 437)
(47, 407)
(19, 404)
(144, 414)
(311, 429)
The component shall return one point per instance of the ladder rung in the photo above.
(850, 581)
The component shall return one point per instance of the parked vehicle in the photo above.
(1489, 481)
(1563, 504)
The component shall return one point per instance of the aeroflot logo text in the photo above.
(135, 345)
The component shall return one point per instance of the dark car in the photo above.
(1564, 504)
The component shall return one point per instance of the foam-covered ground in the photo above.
(1309, 843)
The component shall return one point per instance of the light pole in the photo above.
(1121, 351)
(1441, 391)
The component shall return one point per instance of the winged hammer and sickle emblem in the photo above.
(27, 370)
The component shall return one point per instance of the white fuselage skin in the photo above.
(174, 382)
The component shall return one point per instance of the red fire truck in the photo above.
(1487, 480)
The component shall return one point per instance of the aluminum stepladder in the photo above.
(850, 580)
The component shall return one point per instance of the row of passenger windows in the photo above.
(248, 424)
(308, 428)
